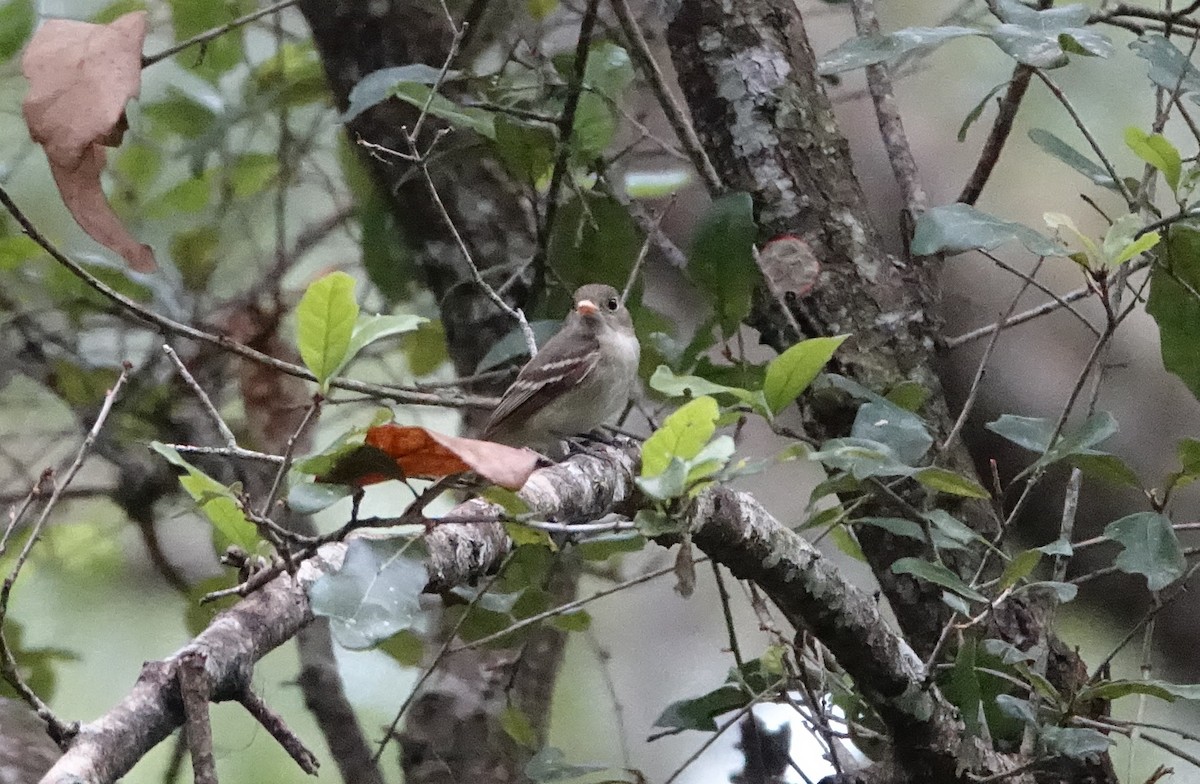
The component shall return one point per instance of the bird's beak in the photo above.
(585, 307)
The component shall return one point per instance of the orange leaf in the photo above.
(81, 75)
(428, 454)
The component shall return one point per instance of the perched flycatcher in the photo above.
(581, 379)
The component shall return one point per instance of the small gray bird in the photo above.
(579, 380)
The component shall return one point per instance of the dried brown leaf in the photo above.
(81, 75)
(429, 454)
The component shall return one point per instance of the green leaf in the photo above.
(945, 481)
(1042, 38)
(293, 76)
(526, 149)
(540, 9)
(1175, 305)
(1108, 468)
(1115, 689)
(1074, 742)
(1062, 592)
(1034, 434)
(459, 117)
(594, 240)
(217, 501)
(17, 18)
(937, 574)
(372, 327)
(380, 85)
(325, 320)
(861, 457)
(373, 595)
(790, 373)
(665, 381)
(549, 765)
(947, 527)
(1188, 451)
(577, 621)
(1123, 241)
(194, 252)
(721, 258)
(219, 55)
(251, 174)
(897, 526)
(1150, 548)
(1170, 68)
(312, 497)
(1064, 152)
(180, 114)
(1019, 568)
(974, 114)
(683, 435)
(517, 726)
(869, 50)
(902, 431)
(700, 713)
(15, 251)
(406, 647)
(956, 228)
(1155, 150)
(909, 395)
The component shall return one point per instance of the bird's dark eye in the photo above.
(613, 303)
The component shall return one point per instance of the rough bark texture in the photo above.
(749, 76)
(354, 39)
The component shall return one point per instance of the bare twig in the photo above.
(226, 434)
(398, 394)
(216, 32)
(677, 115)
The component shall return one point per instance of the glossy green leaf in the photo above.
(869, 50)
(459, 117)
(1064, 152)
(1108, 468)
(372, 327)
(374, 594)
(1126, 238)
(378, 86)
(683, 435)
(325, 320)
(1155, 150)
(1034, 434)
(946, 527)
(790, 373)
(861, 457)
(1043, 37)
(701, 713)
(956, 228)
(1170, 68)
(406, 647)
(312, 497)
(526, 149)
(721, 258)
(217, 501)
(945, 481)
(1075, 742)
(1175, 304)
(1150, 548)
(1020, 567)
(665, 381)
(902, 431)
(897, 526)
(937, 574)
(1163, 690)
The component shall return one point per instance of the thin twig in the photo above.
(969, 403)
(676, 114)
(216, 32)
(226, 434)
(443, 651)
(399, 394)
(631, 281)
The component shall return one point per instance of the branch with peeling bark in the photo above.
(730, 527)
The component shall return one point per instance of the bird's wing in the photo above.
(546, 376)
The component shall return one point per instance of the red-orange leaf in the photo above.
(81, 75)
(431, 455)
